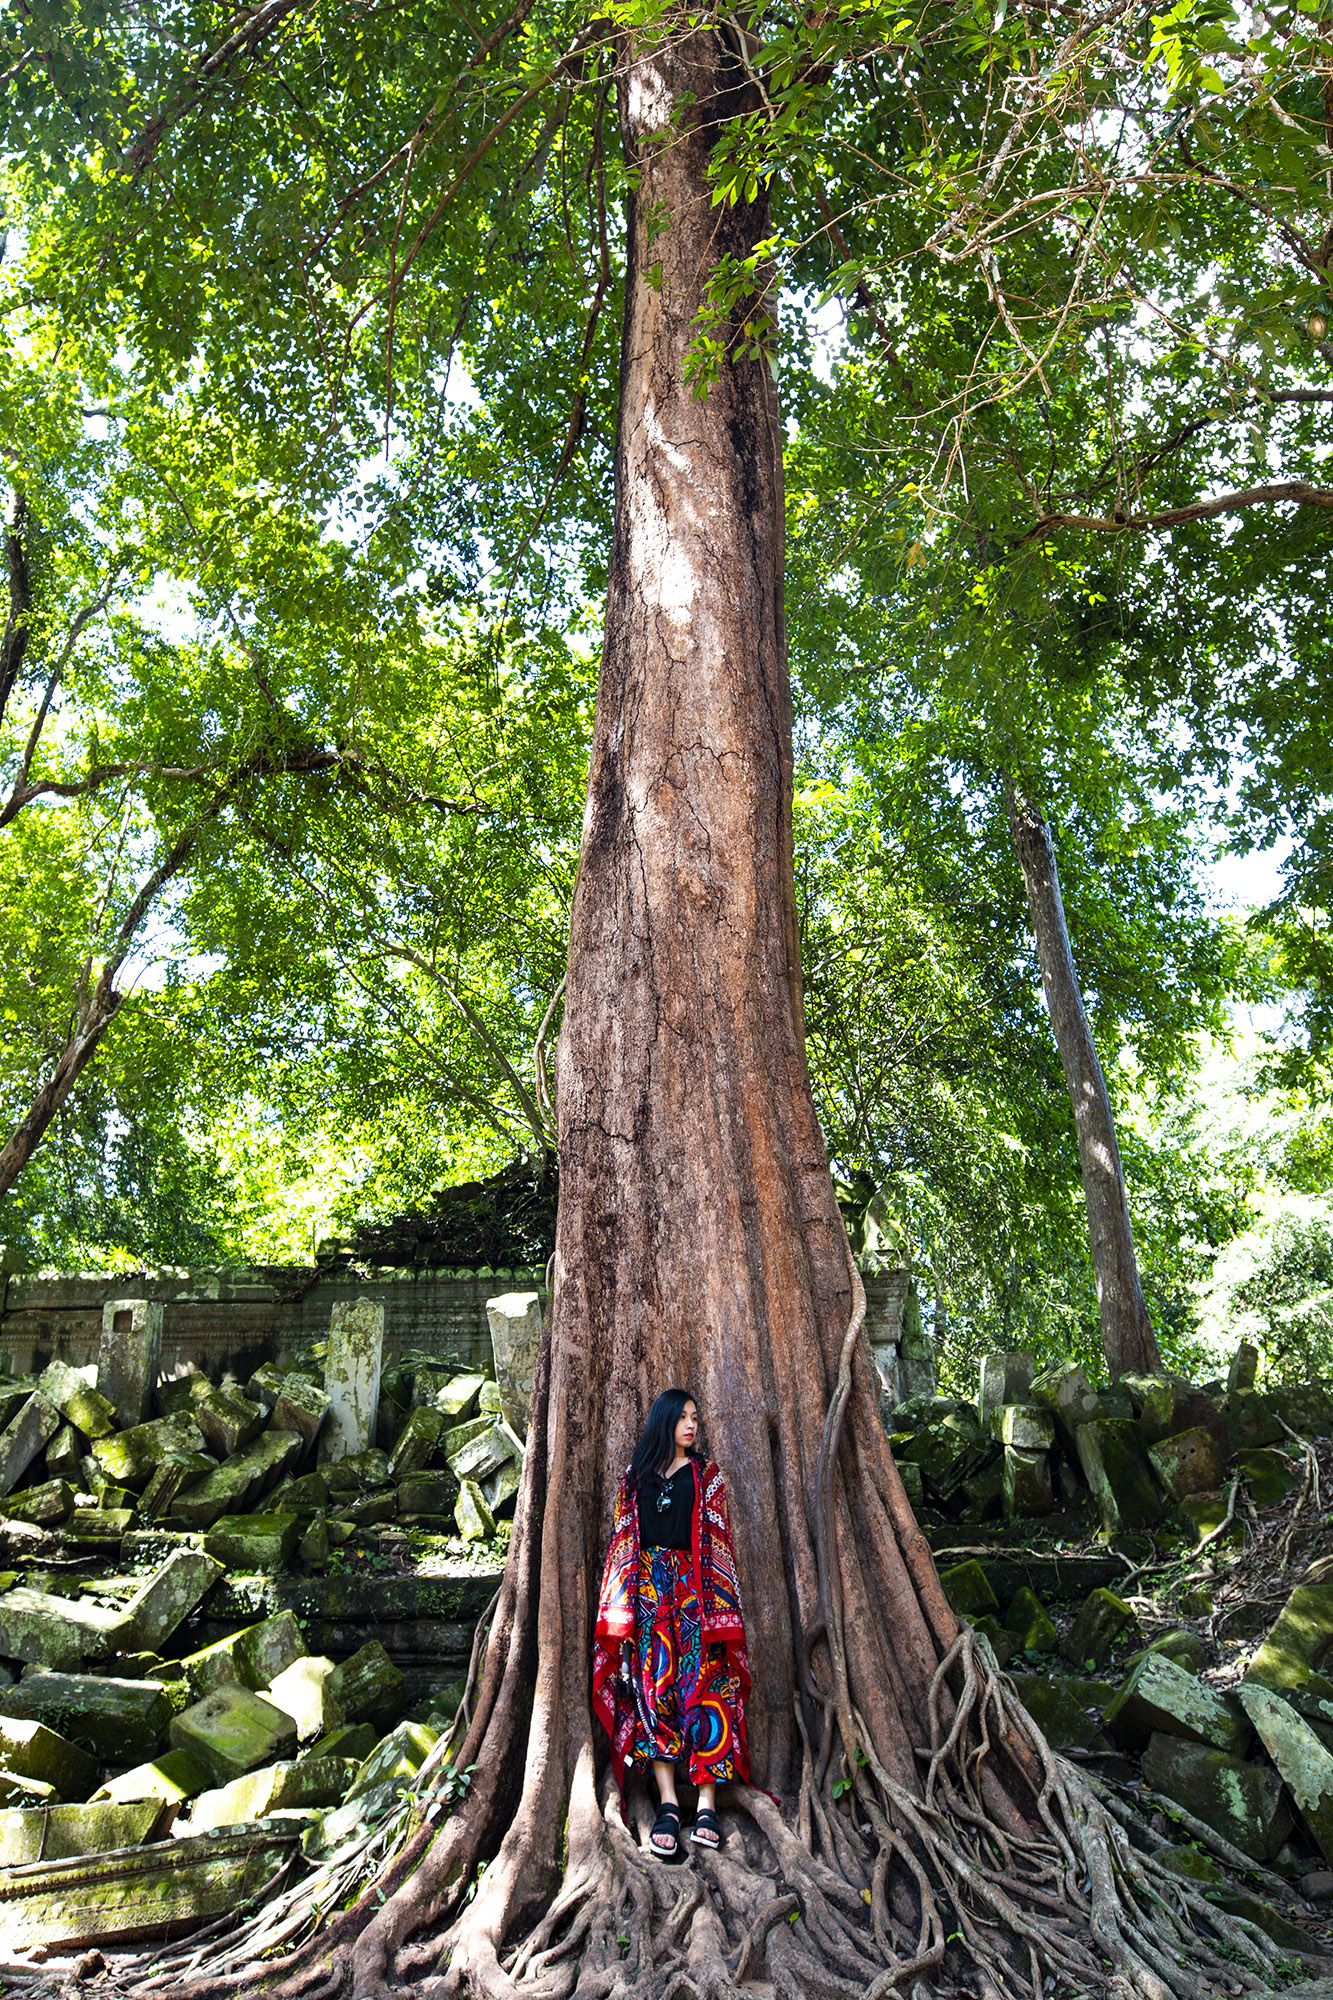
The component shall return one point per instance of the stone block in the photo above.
(399, 1755)
(282, 1787)
(45, 1505)
(1242, 1802)
(1266, 1473)
(301, 1691)
(978, 1495)
(1295, 1645)
(170, 1778)
(16, 1791)
(1243, 1372)
(177, 1472)
(458, 1397)
(968, 1591)
(265, 1385)
(54, 1833)
(352, 1377)
(350, 1739)
(1305, 1765)
(913, 1486)
(64, 1457)
(490, 1403)
(1115, 1465)
(1187, 1649)
(27, 1433)
(228, 1420)
(416, 1441)
(238, 1483)
(426, 1493)
(1187, 1463)
(32, 1750)
(1102, 1620)
(359, 1472)
(100, 1527)
(255, 1544)
(176, 1395)
(481, 1456)
(233, 1731)
(367, 1686)
(1026, 1425)
(1305, 1407)
(501, 1490)
(1030, 1622)
(1205, 1514)
(170, 1595)
(1161, 1696)
(313, 1547)
(515, 1320)
(131, 1457)
(129, 1357)
(473, 1517)
(301, 1405)
(307, 1495)
(1191, 1862)
(114, 1719)
(1058, 1713)
(252, 1657)
(1071, 1399)
(1026, 1482)
(78, 1403)
(154, 1890)
(458, 1435)
(1250, 1421)
(50, 1631)
(1005, 1378)
(372, 1510)
(1152, 1403)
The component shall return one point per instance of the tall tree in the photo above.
(1127, 1335)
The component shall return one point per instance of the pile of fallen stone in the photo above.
(1239, 1741)
(1148, 1451)
(129, 1507)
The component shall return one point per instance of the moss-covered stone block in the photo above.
(30, 1749)
(50, 1631)
(1102, 1620)
(458, 1397)
(1251, 1421)
(1030, 1622)
(1187, 1649)
(174, 1776)
(177, 1472)
(28, 1432)
(1296, 1643)
(256, 1543)
(1058, 1713)
(1001, 1642)
(416, 1441)
(79, 1403)
(114, 1719)
(1071, 1399)
(350, 1739)
(1152, 1401)
(170, 1595)
(252, 1657)
(1026, 1483)
(1305, 1765)
(53, 1833)
(400, 1755)
(1112, 1458)
(474, 1519)
(301, 1690)
(1205, 1514)
(228, 1420)
(234, 1486)
(1267, 1474)
(367, 1686)
(1243, 1802)
(968, 1590)
(281, 1787)
(302, 1405)
(1026, 1425)
(352, 1377)
(46, 1506)
(131, 1457)
(1191, 1862)
(1161, 1696)
(234, 1731)
(1187, 1463)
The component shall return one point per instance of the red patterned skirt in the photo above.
(687, 1701)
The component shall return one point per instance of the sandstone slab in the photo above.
(114, 1719)
(352, 1377)
(1161, 1696)
(238, 1483)
(233, 1731)
(62, 1632)
(1114, 1463)
(79, 1403)
(1242, 1802)
(27, 1432)
(252, 1657)
(1306, 1766)
(54, 1833)
(129, 1357)
(1187, 1463)
(253, 1543)
(169, 1596)
(31, 1750)
(367, 1686)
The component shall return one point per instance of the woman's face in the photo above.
(687, 1428)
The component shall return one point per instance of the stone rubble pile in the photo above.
(128, 1503)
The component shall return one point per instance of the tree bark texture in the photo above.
(1127, 1334)
(18, 619)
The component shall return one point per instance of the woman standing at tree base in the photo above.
(670, 1673)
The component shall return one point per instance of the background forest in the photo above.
(308, 517)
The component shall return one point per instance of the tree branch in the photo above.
(14, 643)
(1297, 490)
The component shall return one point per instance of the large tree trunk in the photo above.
(1127, 1335)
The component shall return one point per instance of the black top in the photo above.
(666, 1510)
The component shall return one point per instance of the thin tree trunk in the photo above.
(95, 1013)
(14, 639)
(1127, 1335)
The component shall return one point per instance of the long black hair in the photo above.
(657, 1447)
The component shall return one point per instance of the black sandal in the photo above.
(706, 1829)
(667, 1821)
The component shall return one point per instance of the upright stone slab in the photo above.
(1005, 1378)
(1026, 1488)
(1305, 1764)
(1153, 1400)
(1115, 1465)
(515, 1320)
(352, 1377)
(23, 1437)
(1244, 1370)
(130, 1357)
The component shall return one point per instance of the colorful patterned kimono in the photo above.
(669, 1670)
